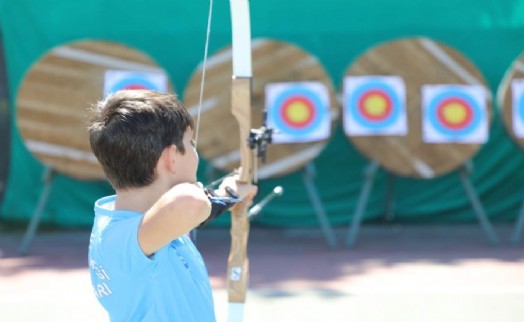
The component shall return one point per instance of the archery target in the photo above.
(454, 113)
(51, 101)
(116, 80)
(517, 110)
(299, 112)
(374, 105)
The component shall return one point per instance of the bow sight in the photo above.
(260, 138)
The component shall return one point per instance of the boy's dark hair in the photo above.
(130, 129)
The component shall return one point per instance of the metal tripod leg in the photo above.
(35, 219)
(519, 225)
(477, 206)
(369, 175)
(389, 215)
(309, 174)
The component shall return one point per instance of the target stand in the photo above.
(510, 98)
(52, 105)
(30, 232)
(369, 175)
(385, 91)
(519, 225)
(274, 62)
(308, 178)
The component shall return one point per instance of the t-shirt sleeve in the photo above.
(120, 247)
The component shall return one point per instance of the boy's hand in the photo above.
(245, 191)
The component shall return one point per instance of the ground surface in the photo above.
(394, 273)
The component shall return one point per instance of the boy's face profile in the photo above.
(186, 164)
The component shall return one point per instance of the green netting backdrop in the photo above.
(490, 33)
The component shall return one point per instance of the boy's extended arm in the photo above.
(178, 211)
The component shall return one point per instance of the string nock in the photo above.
(259, 140)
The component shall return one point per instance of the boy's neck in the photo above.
(139, 199)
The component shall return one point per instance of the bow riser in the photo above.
(238, 263)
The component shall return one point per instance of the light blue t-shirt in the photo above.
(172, 285)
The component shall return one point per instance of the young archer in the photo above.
(143, 265)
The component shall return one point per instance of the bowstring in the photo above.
(204, 64)
(193, 232)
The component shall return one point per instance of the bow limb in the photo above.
(238, 263)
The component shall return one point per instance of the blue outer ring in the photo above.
(520, 107)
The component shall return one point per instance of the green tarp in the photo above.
(489, 33)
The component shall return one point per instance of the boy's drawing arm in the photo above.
(178, 211)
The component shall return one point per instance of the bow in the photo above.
(238, 262)
(250, 140)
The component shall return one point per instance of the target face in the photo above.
(116, 80)
(374, 105)
(517, 106)
(454, 113)
(299, 112)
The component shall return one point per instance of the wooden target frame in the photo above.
(55, 95)
(504, 96)
(505, 104)
(273, 62)
(417, 61)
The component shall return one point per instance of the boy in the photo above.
(142, 263)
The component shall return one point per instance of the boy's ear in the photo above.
(168, 158)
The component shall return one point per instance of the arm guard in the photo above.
(218, 206)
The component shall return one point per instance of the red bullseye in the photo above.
(375, 105)
(297, 112)
(135, 86)
(454, 113)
